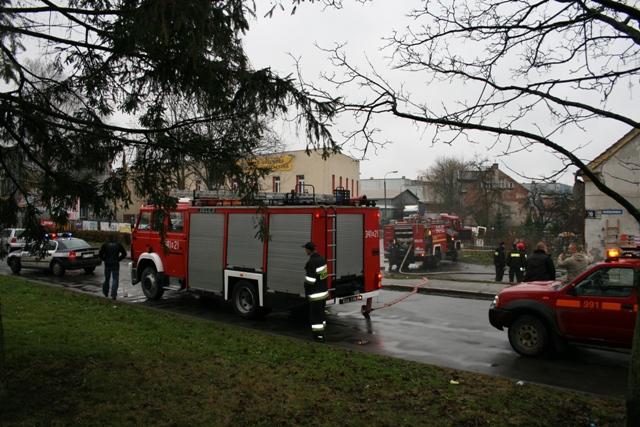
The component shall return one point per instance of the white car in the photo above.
(56, 253)
(10, 239)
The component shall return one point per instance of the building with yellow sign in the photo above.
(308, 172)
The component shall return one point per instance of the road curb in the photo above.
(444, 292)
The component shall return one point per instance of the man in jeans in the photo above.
(111, 253)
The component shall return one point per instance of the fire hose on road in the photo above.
(404, 297)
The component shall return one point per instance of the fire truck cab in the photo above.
(252, 256)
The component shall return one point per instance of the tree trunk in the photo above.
(3, 377)
(633, 394)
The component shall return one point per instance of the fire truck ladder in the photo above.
(331, 239)
(611, 234)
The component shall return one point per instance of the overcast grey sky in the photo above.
(271, 40)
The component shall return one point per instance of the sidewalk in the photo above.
(434, 286)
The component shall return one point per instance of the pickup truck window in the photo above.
(608, 282)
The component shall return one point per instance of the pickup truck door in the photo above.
(600, 307)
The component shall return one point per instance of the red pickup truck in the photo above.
(599, 307)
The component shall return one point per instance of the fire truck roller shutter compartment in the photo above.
(244, 248)
(285, 265)
(206, 235)
(349, 250)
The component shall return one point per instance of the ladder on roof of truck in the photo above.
(340, 196)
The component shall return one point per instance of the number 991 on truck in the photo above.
(252, 256)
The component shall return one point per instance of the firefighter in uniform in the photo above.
(517, 262)
(499, 260)
(315, 289)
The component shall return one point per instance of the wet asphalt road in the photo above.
(450, 332)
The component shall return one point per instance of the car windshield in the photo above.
(19, 232)
(73, 244)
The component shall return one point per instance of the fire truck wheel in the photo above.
(14, 265)
(245, 300)
(57, 269)
(529, 336)
(150, 286)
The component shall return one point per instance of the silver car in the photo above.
(10, 239)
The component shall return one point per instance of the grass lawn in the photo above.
(73, 359)
(476, 257)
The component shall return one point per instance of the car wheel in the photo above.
(89, 270)
(245, 300)
(14, 265)
(529, 336)
(151, 287)
(57, 269)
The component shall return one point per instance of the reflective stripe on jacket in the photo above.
(315, 280)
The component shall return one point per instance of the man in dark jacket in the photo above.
(111, 253)
(394, 255)
(315, 288)
(517, 262)
(499, 260)
(540, 265)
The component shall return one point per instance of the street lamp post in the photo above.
(384, 183)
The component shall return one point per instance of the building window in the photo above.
(300, 184)
(358, 189)
(84, 212)
(333, 182)
(346, 186)
(276, 184)
(340, 185)
(352, 193)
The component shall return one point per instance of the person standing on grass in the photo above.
(500, 261)
(540, 265)
(111, 253)
(315, 288)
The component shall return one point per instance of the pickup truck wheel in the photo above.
(14, 265)
(529, 336)
(151, 287)
(245, 300)
(57, 269)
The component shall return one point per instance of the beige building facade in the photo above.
(608, 224)
(297, 170)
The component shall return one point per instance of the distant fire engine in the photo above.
(252, 256)
(427, 240)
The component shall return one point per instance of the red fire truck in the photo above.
(428, 240)
(252, 256)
